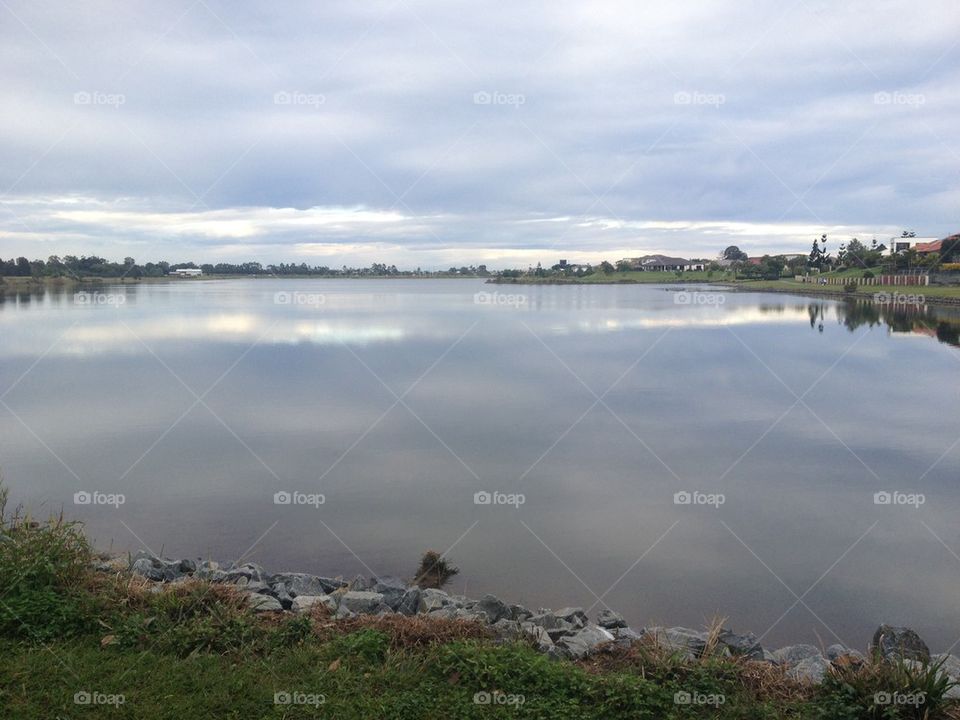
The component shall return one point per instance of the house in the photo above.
(186, 272)
(695, 266)
(657, 263)
(926, 248)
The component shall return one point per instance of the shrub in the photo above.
(45, 569)
(867, 274)
(850, 287)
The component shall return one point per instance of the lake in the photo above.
(674, 453)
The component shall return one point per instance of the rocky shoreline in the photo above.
(565, 633)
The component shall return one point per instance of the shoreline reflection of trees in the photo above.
(941, 323)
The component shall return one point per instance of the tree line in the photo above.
(93, 266)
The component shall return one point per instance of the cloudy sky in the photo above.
(431, 133)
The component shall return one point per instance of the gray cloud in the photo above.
(426, 133)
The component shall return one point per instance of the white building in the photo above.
(187, 272)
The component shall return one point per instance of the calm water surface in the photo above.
(398, 401)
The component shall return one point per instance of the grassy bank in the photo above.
(76, 641)
(932, 293)
(620, 278)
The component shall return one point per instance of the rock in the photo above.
(584, 642)
(146, 568)
(573, 615)
(549, 621)
(493, 608)
(899, 642)
(263, 603)
(841, 655)
(540, 638)
(687, 642)
(811, 669)
(392, 589)
(951, 668)
(519, 613)
(361, 602)
(625, 637)
(361, 584)
(304, 584)
(410, 602)
(506, 629)
(306, 603)
(279, 591)
(741, 645)
(792, 654)
(609, 620)
(432, 599)
(254, 586)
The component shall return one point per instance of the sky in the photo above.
(430, 134)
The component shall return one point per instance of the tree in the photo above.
(818, 255)
(734, 253)
(606, 268)
(624, 265)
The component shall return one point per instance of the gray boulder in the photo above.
(584, 642)
(811, 669)
(393, 591)
(842, 655)
(540, 638)
(493, 608)
(951, 668)
(741, 645)
(432, 599)
(306, 603)
(609, 619)
(410, 602)
(361, 602)
(519, 613)
(263, 603)
(899, 642)
(574, 615)
(792, 654)
(684, 641)
(304, 584)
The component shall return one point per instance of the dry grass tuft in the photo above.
(407, 632)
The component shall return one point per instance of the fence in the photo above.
(878, 280)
